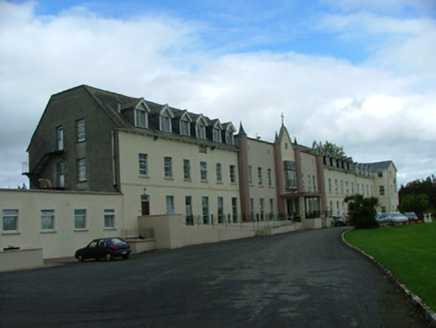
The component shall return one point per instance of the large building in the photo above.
(159, 160)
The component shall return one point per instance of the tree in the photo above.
(418, 196)
(329, 148)
(417, 203)
(362, 211)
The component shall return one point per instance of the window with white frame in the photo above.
(80, 219)
(336, 186)
(47, 219)
(188, 210)
(272, 207)
(10, 220)
(216, 135)
(143, 164)
(309, 182)
(381, 190)
(262, 209)
(80, 130)
(230, 140)
(270, 179)
(235, 209)
(200, 129)
(250, 175)
(260, 176)
(232, 174)
(141, 118)
(170, 204)
(185, 128)
(109, 218)
(165, 123)
(219, 173)
(60, 137)
(252, 208)
(203, 171)
(330, 185)
(186, 169)
(205, 209)
(314, 183)
(168, 167)
(81, 169)
(220, 206)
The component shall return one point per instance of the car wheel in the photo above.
(108, 257)
(80, 258)
(125, 257)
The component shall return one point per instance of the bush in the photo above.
(362, 211)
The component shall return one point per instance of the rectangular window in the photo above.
(60, 137)
(81, 169)
(203, 171)
(216, 135)
(302, 182)
(80, 130)
(309, 182)
(47, 219)
(200, 129)
(109, 218)
(347, 188)
(229, 138)
(219, 173)
(336, 187)
(380, 174)
(143, 164)
(272, 206)
(252, 209)
(235, 209)
(185, 128)
(10, 220)
(165, 124)
(80, 219)
(188, 211)
(262, 209)
(232, 174)
(331, 208)
(270, 179)
(141, 119)
(314, 183)
(250, 175)
(342, 187)
(330, 185)
(291, 179)
(186, 169)
(168, 167)
(381, 190)
(61, 174)
(352, 188)
(205, 209)
(170, 204)
(260, 176)
(220, 206)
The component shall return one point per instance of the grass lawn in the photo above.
(409, 252)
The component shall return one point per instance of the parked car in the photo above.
(382, 218)
(104, 248)
(339, 221)
(391, 218)
(411, 216)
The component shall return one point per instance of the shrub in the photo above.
(362, 211)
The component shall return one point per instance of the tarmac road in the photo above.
(301, 279)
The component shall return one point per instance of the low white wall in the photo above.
(21, 259)
(171, 231)
(312, 223)
(141, 245)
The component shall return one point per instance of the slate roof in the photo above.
(112, 103)
(376, 166)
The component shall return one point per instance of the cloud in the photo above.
(380, 109)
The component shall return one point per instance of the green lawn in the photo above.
(409, 252)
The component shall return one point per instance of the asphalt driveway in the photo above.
(301, 279)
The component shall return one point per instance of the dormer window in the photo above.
(201, 131)
(185, 128)
(216, 135)
(165, 119)
(185, 124)
(141, 118)
(229, 130)
(165, 123)
(230, 140)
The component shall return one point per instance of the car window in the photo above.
(116, 241)
(92, 244)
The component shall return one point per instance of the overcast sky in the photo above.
(360, 74)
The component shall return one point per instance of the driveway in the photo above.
(300, 279)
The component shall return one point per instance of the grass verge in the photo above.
(409, 252)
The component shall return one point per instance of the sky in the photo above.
(359, 74)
